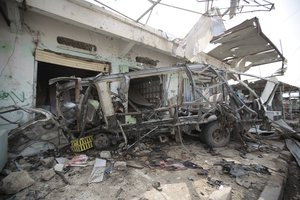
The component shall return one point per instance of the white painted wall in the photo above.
(17, 62)
(17, 69)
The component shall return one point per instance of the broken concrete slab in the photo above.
(48, 162)
(105, 154)
(243, 181)
(169, 191)
(274, 189)
(16, 181)
(59, 167)
(47, 175)
(135, 164)
(120, 165)
(202, 188)
(223, 193)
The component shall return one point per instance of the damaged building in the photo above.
(79, 82)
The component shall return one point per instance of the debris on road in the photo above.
(157, 186)
(47, 174)
(120, 165)
(223, 193)
(16, 181)
(98, 171)
(78, 161)
(105, 154)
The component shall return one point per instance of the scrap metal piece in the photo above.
(142, 137)
(47, 116)
(62, 176)
(294, 148)
(245, 46)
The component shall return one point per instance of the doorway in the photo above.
(45, 93)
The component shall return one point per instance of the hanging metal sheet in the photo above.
(245, 46)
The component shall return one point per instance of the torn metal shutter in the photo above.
(71, 61)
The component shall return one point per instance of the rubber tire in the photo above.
(101, 141)
(210, 131)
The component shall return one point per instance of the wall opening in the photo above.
(45, 94)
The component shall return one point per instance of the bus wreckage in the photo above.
(185, 99)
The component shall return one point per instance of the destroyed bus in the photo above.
(184, 99)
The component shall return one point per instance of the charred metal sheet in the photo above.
(105, 99)
(244, 46)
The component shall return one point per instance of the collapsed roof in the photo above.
(245, 46)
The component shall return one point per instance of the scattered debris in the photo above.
(191, 165)
(157, 186)
(243, 181)
(202, 172)
(62, 176)
(16, 181)
(214, 182)
(59, 167)
(223, 193)
(294, 148)
(48, 162)
(78, 161)
(134, 164)
(155, 104)
(119, 192)
(61, 160)
(237, 170)
(98, 171)
(47, 174)
(105, 154)
(37, 147)
(120, 165)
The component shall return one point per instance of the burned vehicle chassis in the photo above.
(205, 106)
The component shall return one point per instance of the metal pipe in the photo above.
(154, 4)
(123, 133)
(113, 10)
(143, 137)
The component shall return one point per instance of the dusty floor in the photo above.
(292, 189)
(137, 183)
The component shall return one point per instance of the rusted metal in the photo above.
(221, 103)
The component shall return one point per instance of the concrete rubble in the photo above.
(16, 181)
(221, 194)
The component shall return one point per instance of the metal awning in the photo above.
(245, 46)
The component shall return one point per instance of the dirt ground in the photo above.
(292, 188)
(140, 181)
